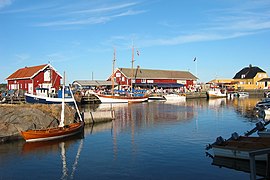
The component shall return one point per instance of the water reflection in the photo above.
(245, 107)
(240, 165)
(160, 135)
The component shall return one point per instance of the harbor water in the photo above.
(156, 140)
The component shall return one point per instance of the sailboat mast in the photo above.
(61, 124)
(112, 77)
(132, 70)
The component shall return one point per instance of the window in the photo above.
(243, 76)
(123, 78)
(47, 75)
(143, 81)
(118, 74)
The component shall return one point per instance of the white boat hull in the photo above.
(31, 98)
(216, 93)
(120, 99)
(175, 97)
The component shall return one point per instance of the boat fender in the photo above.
(235, 136)
(220, 140)
(260, 126)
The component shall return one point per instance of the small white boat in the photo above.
(216, 93)
(175, 97)
(242, 94)
(156, 97)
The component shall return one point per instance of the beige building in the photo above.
(249, 78)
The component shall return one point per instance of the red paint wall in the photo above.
(37, 80)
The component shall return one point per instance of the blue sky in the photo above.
(78, 36)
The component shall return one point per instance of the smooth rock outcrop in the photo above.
(17, 118)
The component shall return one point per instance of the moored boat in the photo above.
(124, 97)
(240, 165)
(156, 97)
(242, 94)
(175, 97)
(57, 132)
(216, 93)
(239, 147)
(44, 97)
(53, 133)
(121, 99)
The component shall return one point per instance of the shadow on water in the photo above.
(240, 165)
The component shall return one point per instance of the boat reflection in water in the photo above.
(61, 146)
(241, 165)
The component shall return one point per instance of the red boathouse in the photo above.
(151, 77)
(30, 78)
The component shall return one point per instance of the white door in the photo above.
(30, 88)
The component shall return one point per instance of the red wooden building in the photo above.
(30, 78)
(150, 78)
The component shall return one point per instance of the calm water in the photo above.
(146, 141)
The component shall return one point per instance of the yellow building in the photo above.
(249, 78)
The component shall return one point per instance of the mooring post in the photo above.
(252, 167)
(268, 166)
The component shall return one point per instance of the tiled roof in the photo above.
(158, 74)
(26, 72)
(248, 72)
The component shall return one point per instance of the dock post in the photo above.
(252, 167)
(268, 167)
(252, 161)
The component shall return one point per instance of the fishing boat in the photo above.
(43, 96)
(239, 147)
(61, 131)
(128, 97)
(216, 93)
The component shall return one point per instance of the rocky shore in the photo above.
(17, 118)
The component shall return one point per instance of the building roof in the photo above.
(248, 72)
(221, 81)
(264, 80)
(93, 83)
(157, 74)
(28, 72)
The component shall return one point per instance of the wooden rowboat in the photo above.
(53, 133)
(58, 132)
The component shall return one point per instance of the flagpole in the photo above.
(196, 67)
